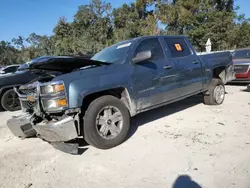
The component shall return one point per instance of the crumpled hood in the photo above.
(64, 64)
(241, 61)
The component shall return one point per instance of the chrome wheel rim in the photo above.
(109, 122)
(219, 94)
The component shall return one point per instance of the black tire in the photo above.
(248, 87)
(210, 99)
(91, 134)
(10, 101)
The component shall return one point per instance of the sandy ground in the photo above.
(186, 144)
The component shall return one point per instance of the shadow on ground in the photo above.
(167, 110)
(185, 181)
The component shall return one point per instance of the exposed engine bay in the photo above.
(44, 98)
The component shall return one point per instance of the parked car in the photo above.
(8, 98)
(241, 59)
(9, 69)
(95, 98)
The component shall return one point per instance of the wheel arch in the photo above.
(121, 93)
(220, 72)
(6, 88)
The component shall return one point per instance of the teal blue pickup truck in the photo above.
(95, 98)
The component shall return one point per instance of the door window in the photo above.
(178, 47)
(10, 69)
(154, 46)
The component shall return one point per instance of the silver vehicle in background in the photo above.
(241, 59)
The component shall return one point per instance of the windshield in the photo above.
(242, 54)
(113, 54)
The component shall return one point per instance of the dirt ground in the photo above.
(186, 144)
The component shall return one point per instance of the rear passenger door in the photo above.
(148, 76)
(187, 66)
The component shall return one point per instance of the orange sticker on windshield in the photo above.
(178, 47)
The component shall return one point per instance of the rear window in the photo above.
(242, 54)
(178, 47)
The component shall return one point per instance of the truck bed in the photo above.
(216, 60)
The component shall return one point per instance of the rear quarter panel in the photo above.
(215, 60)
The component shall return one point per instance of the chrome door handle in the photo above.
(167, 67)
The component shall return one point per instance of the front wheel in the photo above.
(106, 122)
(10, 101)
(216, 93)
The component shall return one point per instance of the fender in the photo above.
(126, 97)
(77, 95)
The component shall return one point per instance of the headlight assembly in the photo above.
(55, 104)
(53, 96)
(53, 88)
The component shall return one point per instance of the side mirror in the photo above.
(142, 56)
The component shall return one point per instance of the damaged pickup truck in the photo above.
(95, 98)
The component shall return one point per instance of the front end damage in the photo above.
(56, 125)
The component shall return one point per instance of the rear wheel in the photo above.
(10, 101)
(216, 92)
(106, 122)
(248, 87)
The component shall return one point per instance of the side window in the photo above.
(7, 70)
(178, 47)
(153, 45)
(10, 69)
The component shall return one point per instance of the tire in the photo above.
(217, 87)
(100, 111)
(248, 87)
(10, 101)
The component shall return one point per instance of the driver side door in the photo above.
(147, 76)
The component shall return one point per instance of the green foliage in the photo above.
(96, 25)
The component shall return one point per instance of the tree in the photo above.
(96, 25)
(200, 20)
(8, 53)
(92, 27)
(63, 38)
(243, 35)
(135, 19)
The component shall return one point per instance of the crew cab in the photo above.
(95, 98)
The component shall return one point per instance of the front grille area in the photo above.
(28, 104)
(25, 92)
(28, 91)
(241, 68)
